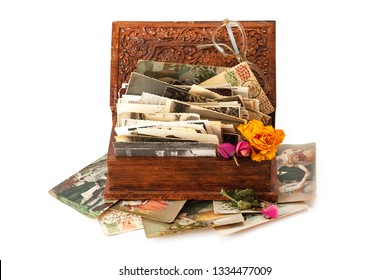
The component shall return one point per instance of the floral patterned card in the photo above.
(115, 221)
(242, 75)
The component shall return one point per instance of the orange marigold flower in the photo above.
(264, 140)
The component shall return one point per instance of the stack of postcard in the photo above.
(83, 191)
(172, 109)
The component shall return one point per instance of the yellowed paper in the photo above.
(242, 75)
(115, 221)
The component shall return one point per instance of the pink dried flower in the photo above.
(226, 150)
(243, 149)
(270, 211)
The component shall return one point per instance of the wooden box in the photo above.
(173, 178)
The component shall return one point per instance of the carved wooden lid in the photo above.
(176, 42)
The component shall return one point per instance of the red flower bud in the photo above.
(243, 149)
(270, 211)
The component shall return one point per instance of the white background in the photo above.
(332, 80)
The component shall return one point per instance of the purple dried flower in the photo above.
(226, 150)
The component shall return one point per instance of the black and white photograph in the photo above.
(224, 108)
(165, 149)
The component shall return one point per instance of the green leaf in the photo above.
(244, 199)
(225, 194)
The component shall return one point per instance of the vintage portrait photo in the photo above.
(296, 169)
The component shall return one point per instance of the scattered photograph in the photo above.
(229, 207)
(296, 169)
(160, 210)
(115, 222)
(83, 191)
(195, 215)
(252, 220)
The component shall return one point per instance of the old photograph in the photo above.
(83, 191)
(195, 215)
(186, 74)
(165, 149)
(296, 166)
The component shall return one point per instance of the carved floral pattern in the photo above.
(179, 45)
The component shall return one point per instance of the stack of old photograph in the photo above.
(171, 109)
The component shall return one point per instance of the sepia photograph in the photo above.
(185, 74)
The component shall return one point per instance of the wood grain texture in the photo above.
(185, 178)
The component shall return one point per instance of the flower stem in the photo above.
(235, 159)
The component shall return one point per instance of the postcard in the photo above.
(229, 207)
(252, 220)
(173, 134)
(257, 115)
(217, 91)
(144, 138)
(83, 191)
(115, 222)
(129, 98)
(183, 94)
(160, 210)
(228, 108)
(175, 106)
(216, 129)
(164, 149)
(132, 125)
(242, 75)
(129, 125)
(190, 127)
(161, 117)
(195, 215)
(136, 111)
(140, 83)
(296, 172)
(204, 92)
(186, 74)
